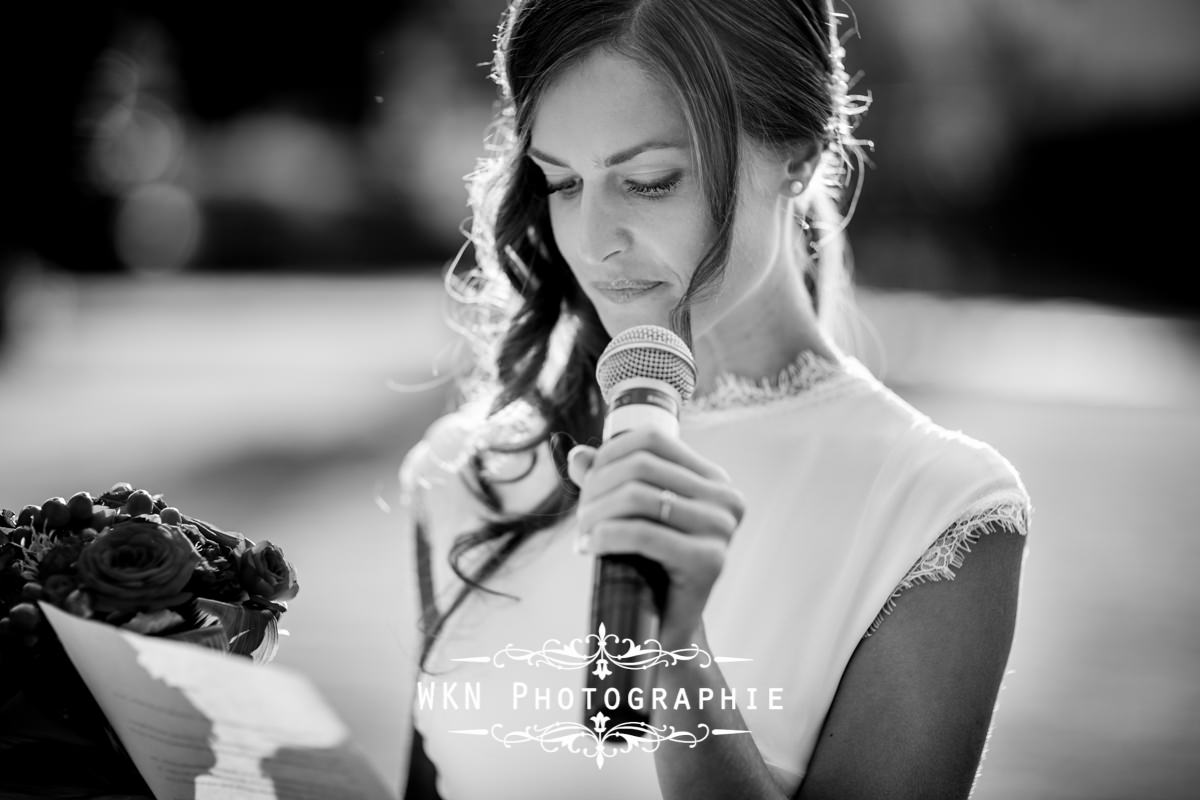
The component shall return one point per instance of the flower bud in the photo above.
(30, 515)
(80, 509)
(139, 502)
(55, 515)
(25, 617)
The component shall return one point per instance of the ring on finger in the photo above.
(666, 499)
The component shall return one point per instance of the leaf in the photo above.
(212, 636)
(230, 540)
(251, 632)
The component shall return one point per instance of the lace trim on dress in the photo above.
(735, 391)
(946, 553)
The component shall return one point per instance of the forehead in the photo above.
(602, 104)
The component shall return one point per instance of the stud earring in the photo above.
(795, 188)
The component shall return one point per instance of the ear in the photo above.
(801, 162)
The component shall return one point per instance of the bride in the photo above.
(681, 163)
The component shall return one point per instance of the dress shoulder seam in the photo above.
(946, 554)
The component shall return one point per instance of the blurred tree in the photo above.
(1014, 136)
(48, 217)
(48, 56)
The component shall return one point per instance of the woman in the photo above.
(679, 163)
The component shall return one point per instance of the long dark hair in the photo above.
(768, 69)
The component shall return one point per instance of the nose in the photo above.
(602, 230)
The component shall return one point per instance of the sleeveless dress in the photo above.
(852, 496)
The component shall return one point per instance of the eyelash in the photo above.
(652, 191)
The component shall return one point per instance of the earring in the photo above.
(795, 188)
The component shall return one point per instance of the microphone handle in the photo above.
(629, 591)
(627, 596)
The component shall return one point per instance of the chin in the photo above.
(616, 321)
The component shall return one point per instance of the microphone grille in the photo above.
(647, 351)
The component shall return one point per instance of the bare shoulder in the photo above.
(442, 449)
(468, 460)
(912, 711)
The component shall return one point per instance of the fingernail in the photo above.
(582, 542)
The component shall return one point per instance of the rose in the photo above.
(137, 566)
(266, 574)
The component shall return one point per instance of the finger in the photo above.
(579, 462)
(649, 468)
(678, 553)
(662, 444)
(636, 500)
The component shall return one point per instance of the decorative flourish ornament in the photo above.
(598, 743)
(577, 654)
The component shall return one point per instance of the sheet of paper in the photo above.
(205, 725)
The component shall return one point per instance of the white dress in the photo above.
(852, 495)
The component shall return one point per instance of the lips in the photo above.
(625, 289)
(624, 284)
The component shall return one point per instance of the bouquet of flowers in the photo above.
(126, 559)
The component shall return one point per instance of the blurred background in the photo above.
(220, 280)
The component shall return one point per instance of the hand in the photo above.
(621, 510)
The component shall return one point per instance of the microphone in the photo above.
(645, 374)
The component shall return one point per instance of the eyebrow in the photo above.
(616, 158)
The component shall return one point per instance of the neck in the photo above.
(764, 334)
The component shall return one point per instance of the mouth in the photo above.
(625, 290)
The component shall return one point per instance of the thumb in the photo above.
(579, 461)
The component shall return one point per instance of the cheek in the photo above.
(686, 242)
(562, 225)
(565, 233)
(679, 237)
